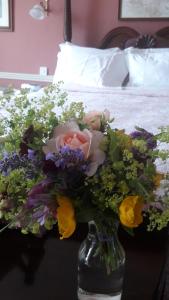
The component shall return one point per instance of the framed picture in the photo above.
(6, 23)
(143, 9)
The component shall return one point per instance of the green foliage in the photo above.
(74, 111)
(158, 219)
(23, 110)
(119, 176)
(163, 136)
(13, 192)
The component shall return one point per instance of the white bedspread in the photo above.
(147, 108)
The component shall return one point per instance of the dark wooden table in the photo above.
(45, 268)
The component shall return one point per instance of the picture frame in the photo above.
(6, 15)
(143, 10)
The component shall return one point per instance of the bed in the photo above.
(133, 97)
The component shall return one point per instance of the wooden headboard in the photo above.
(124, 37)
(121, 37)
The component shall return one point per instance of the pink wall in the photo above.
(35, 43)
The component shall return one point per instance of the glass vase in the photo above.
(101, 264)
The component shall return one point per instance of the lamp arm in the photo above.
(45, 5)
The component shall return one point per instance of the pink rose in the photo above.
(94, 119)
(69, 134)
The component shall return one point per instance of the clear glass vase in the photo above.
(101, 264)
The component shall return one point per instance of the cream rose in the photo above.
(94, 119)
(69, 134)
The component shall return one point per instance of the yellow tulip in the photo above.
(65, 217)
(131, 211)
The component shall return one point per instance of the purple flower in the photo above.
(151, 143)
(140, 157)
(31, 154)
(68, 158)
(15, 161)
(143, 134)
(41, 214)
(40, 203)
(43, 187)
(38, 199)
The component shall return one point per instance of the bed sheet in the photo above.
(130, 107)
(148, 108)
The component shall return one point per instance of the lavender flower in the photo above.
(31, 154)
(69, 158)
(14, 161)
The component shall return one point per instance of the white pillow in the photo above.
(90, 66)
(148, 67)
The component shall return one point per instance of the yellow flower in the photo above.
(131, 211)
(65, 217)
(157, 179)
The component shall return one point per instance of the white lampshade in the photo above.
(37, 12)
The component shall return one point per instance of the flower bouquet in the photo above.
(60, 165)
(71, 167)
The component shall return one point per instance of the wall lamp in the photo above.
(40, 11)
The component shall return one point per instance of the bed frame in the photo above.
(121, 37)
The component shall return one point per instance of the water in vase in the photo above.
(101, 264)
